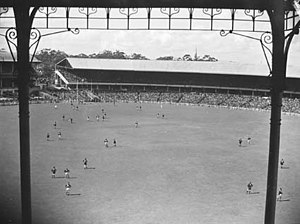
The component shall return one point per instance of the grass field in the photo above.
(184, 169)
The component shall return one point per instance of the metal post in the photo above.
(278, 79)
(23, 24)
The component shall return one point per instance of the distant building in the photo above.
(8, 76)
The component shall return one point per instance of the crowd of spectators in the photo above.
(69, 76)
(289, 105)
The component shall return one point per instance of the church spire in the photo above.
(196, 55)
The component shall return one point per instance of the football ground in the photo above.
(185, 168)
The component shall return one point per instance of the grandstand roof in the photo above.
(218, 67)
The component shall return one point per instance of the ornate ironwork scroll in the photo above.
(128, 12)
(148, 17)
(289, 38)
(67, 16)
(224, 33)
(35, 37)
(169, 12)
(87, 12)
(11, 36)
(200, 19)
(212, 13)
(107, 10)
(265, 40)
(11, 39)
(3, 10)
(72, 30)
(290, 18)
(191, 11)
(232, 12)
(253, 14)
(47, 11)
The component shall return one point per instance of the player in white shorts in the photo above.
(106, 143)
(280, 192)
(85, 163)
(59, 135)
(67, 173)
(53, 171)
(249, 140)
(281, 163)
(68, 188)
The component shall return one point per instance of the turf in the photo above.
(185, 168)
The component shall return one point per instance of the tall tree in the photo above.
(119, 55)
(187, 57)
(136, 56)
(49, 58)
(105, 54)
(165, 58)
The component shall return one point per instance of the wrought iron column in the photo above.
(278, 79)
(23, 26)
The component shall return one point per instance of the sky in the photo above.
(154, 44)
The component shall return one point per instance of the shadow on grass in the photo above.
(90, 168)
(254, 192)
(282, 200)
(74, 194)
(285, 167)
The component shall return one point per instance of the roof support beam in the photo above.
(229, 4)
(278, 85)
(23, 26)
